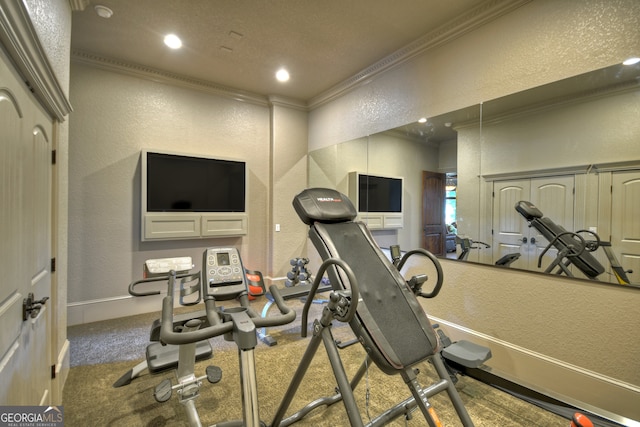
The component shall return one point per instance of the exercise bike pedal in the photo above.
(163, 391)
(214, 374)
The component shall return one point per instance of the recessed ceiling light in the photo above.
(422, 120)
(103, 11)
(173, 41)
(282, 75)
(631, 61)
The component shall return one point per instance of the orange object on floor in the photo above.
(580, 420)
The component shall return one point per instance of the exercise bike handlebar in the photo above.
(217, 326)
(133, 285)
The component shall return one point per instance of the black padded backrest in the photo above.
(586, 262)
(389, 320)
(323, 205)
(528, 210)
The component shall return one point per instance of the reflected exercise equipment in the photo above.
(573, 249)
(467, 244)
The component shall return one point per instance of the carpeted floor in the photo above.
(103, 351)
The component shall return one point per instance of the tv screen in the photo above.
(179, 183)
(379, 194)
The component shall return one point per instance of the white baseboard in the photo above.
(126, 305)
(111, 308)
(590, 391)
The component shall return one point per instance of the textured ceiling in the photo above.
(240, 44)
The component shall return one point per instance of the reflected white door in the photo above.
(625, 221)
(511, 233)
(554, 197)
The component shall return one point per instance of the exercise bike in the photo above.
(467, 244)
(223, 278)
(160, 357)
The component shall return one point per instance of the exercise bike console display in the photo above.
(223, 273)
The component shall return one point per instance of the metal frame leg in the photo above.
(454, 396)
(249, 387)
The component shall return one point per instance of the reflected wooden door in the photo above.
(433, 212)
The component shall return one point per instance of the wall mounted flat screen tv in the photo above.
(183, 183)
(379, 194)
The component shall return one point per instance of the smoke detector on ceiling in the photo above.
(103, 11)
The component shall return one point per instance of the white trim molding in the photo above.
(19, 38)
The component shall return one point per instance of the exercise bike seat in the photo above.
(389, 321)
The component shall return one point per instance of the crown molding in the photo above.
(161, 76)
(288, 103)
(463, 24)
(469, 21)
(79, 5)
(22, 44)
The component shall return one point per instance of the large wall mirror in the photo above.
(571, 148)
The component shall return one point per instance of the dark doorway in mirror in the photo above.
(434, 230)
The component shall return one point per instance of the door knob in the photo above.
(524, 240)
(31, 307)
(533, 240)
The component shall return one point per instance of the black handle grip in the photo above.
(217, 325)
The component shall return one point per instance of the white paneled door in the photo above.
(625, 221)
(25, 245)
(511, 233)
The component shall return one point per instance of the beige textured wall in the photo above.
(289, 160)
(115, 117)
(540, 42)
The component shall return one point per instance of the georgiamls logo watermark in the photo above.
(31, 416)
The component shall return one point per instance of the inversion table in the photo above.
(381, 308)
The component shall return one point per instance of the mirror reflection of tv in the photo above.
(379, 194)
(184, 183)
